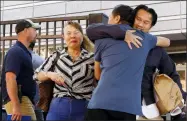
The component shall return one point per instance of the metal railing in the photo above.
(49, 36)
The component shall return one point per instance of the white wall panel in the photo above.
(167, 25)
(81, 14)
(111, 4)
(80, 6)
(183, 7)
(2, 2)
(1, 30)
(107, 12)
(1, 15)
(18, 13)
(49, 9)
(167, 9)
(14, 3)
(184, 23)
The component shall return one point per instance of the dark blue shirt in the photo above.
(18, 60)
(119, 87)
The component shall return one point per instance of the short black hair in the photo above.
(124, 11)
(146, 8)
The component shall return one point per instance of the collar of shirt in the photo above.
(18, 43)
(84, 54)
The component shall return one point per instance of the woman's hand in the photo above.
(134, 39)
(57, 78)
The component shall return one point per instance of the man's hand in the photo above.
(16, 112)
(12, 89)
(131, 38)
(57, 78)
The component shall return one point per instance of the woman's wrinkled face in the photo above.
(73, 37)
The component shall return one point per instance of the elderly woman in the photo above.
(73, 75)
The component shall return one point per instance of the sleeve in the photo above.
(100, 31)
(48, 64)
(97, 51)
(167, 66)
(13, 62)
(152, 40)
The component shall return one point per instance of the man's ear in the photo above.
(25, 30)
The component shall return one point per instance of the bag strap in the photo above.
(156, 73)
(55, 61)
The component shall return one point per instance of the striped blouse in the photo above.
(78, 75)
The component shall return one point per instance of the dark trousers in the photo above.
(39, 114)
(103, 115)
(4, 115)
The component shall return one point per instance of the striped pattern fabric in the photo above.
(78, 75)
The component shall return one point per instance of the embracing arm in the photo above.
(100, 31)
(162, 41)
(117, 32)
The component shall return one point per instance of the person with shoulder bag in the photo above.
(72, 74)
(18, 86)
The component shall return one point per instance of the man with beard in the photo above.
(18, 86)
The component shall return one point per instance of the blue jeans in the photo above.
(66, 108)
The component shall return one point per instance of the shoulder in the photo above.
(91, 54)
(147, 36)
(124, 26)
(87, 54)
(57, 52)
(104, 41)
(15, 50)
